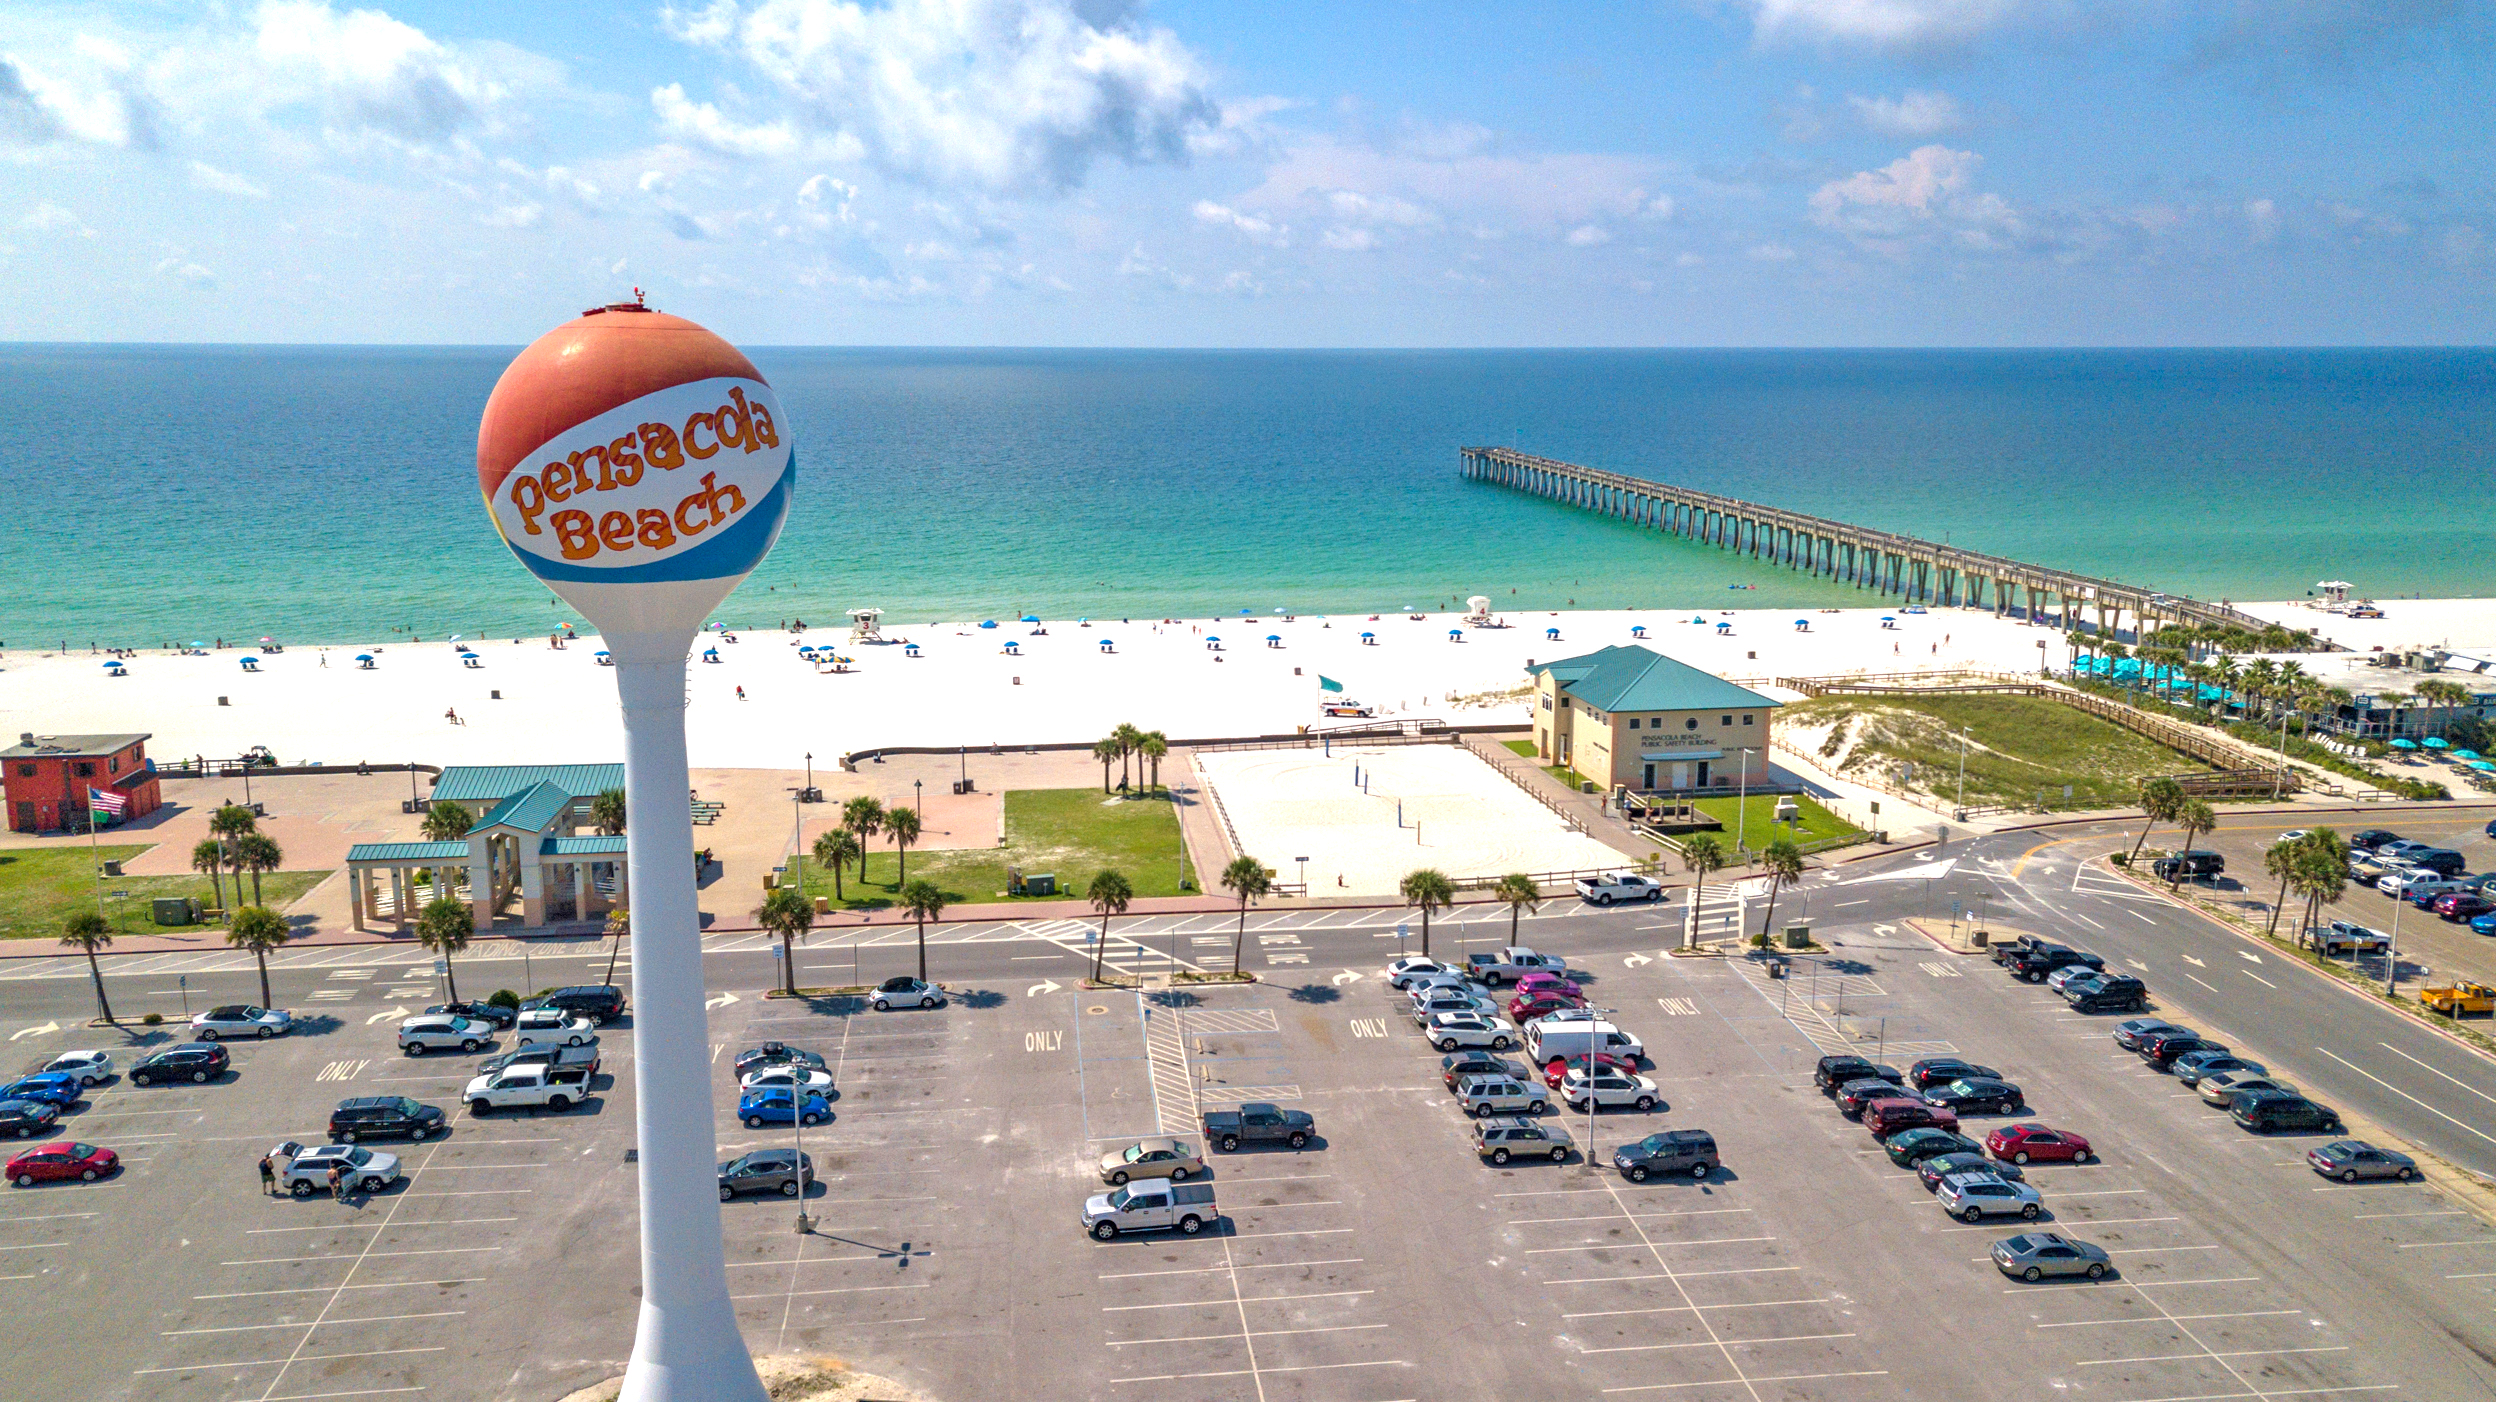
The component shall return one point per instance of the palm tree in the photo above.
(1702, 854)
(1127, 737)
(619, 925)
(447, 821)
(208, 856)
(864, 817)
(257, 853)
(229, 824)
(444, 927)
(2280, 860)
(924, 901)
(833, 848)
(2161, 799)
(1519, 893)
(1782, 860)
(2321, 879)
(2446, 695)
(786, 915)
(606, 813)
(1104, 751)
(1246, 878)
(1154, 747)
(902, 824)
(2194, 816)
(1426, 890)
(1109, 894)
(259, 930)
(87, 931)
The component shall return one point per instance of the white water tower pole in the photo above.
(635, 463)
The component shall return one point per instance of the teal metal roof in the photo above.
(531, 810)
(591, 846)
(492, 783)
(404, 852)
(1634, 679)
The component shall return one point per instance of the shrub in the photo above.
(153, 1020)
(1760, 940)
(504, 998)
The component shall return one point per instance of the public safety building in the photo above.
(1629, 718)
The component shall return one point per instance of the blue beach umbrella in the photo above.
(114, 663)
(601, 652)
(1369, 635)
(2482, 764)
(1273, 637)
(1031, 618)
(2465, 754)
(1211, 638)
(990, 623)
(363, 657)
(2438, 742)
(2404, 744)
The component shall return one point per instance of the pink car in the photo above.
(1553, 984)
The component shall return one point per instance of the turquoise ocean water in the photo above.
(328, 494)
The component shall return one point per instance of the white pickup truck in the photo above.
(555, 1088)
(1619, 886)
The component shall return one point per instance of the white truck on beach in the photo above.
(530, 1087)
(1619, 886)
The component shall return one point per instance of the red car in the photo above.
(1550, 983)
(1527, 1006)
(2461, 905)
(1561, 1066)
(61, 1161)
(2021, 1143)
(1888, 1116)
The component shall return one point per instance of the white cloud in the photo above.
(1768, 253)
(97, 106)
(1886, 24)
(703, 124)
(372, 72)
(1687, 260)
(1256, 227)
(1661, 207)
(188, 273)
(1139, 264)
(1922, 193)
(2262, 216)
(1587, 236)
(207, 177)
(527, 214)
(1350, 240)
(49, 218)
(1006, 95)
(1916, 113)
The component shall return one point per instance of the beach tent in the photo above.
(1698, 620)
(2404, 744)
(2438, 742)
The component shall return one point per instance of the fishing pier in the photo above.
(1917, 571)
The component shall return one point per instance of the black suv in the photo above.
(1835, 1071)
(200, 1062)
(601, 1003)
(2189, 864)
(2442, 861)
(2115, 993)
(2264, 1110)
(493, 1015)
(2163, 1051)
(1690, 1153)
(380, 1116)
(2373, 838)
(2046, 958)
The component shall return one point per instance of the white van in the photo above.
(1547, 1040)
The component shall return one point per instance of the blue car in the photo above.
(51, 1087)
(2485, 924)
(777, 1105)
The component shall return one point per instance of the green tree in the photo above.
(447, 821)
(1127, 737)
(1782, 860)
(833, 848)
(1247, 879)
(1519, 893)
(2280, 860)
(259, 854)
(444, 927)
(902, 825)
(259, 929)
(619, 925)
(1104, 751)
(229, 824)
(208, 857)
(2194, 817)
(1426, 889)
(87, 931)
(863, 816)
(2321, 880)
(1154, 747)
(786, 915)
(1109, 894)
(2161, 800)
(1701, 854)
(924, 900)
(606, 813)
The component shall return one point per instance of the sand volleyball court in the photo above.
(1366, 816)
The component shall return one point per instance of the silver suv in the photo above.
(1484, 1096)
(1500, 1140)
(1972, 1197)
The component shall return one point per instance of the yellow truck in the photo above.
(2460, 999)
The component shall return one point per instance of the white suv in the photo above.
(552, 1025)
(1448, 1031)
(1607, 1090)
(442, 1032)
(1485, 1096)
(1972, 1197)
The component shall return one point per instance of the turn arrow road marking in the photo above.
(1634, 960)
(721, 1001)
(2135, 963)
(35, 1031)
(1043, 986)
(384, 1015)
(2249, 955)
(2194, 962)
(1347, 976)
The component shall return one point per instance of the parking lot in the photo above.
(1382, 1262)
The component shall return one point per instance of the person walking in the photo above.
(268, 1176)
(337, 1183)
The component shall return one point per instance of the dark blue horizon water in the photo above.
(328, 493)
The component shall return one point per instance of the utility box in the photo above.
(112, 866)
(173, 910)
(1041, 883)
(1798, 936)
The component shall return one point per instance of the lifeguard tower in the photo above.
(1478, 613)
(865, 626)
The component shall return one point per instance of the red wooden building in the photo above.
(46, 778)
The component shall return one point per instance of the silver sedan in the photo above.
(2033, 1256)
(1174, 1159)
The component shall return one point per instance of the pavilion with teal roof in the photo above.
(526, 845)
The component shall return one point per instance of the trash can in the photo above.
(112, 866)
(1979, 938)
(1776, 968)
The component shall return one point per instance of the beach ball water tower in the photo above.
(639, 466)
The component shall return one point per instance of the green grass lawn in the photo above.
(2019, 746)
(41, 886)
(1523, 749)
(1074, 833)
(1755, 817)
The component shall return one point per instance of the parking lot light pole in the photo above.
(1599, 1014)
(2392, 956)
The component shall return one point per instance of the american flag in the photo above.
(107, 801)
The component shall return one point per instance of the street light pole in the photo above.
(1961, 806)
(1591, 1167)
(1742, 804)
(2392, 956)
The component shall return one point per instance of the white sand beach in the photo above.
(1069, 682)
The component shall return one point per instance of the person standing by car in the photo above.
(268, 1176)
(337, 1184)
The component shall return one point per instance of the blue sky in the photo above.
(1087, 172)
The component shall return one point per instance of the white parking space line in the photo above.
(2145, 1319)
(1623, 1246)
(325, 1289)
(251, 1328)
(843, 1290)
(1251, 1334)
(1250, 1372)
(1609, 1216)
(1748, 1381)
(2197, 1357)
(1703, 1343)
(1687, 1309)
(1245, 1266)
(2405, 1095)
(2428, 1245)
(1248, 1299)
(315, 1358)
